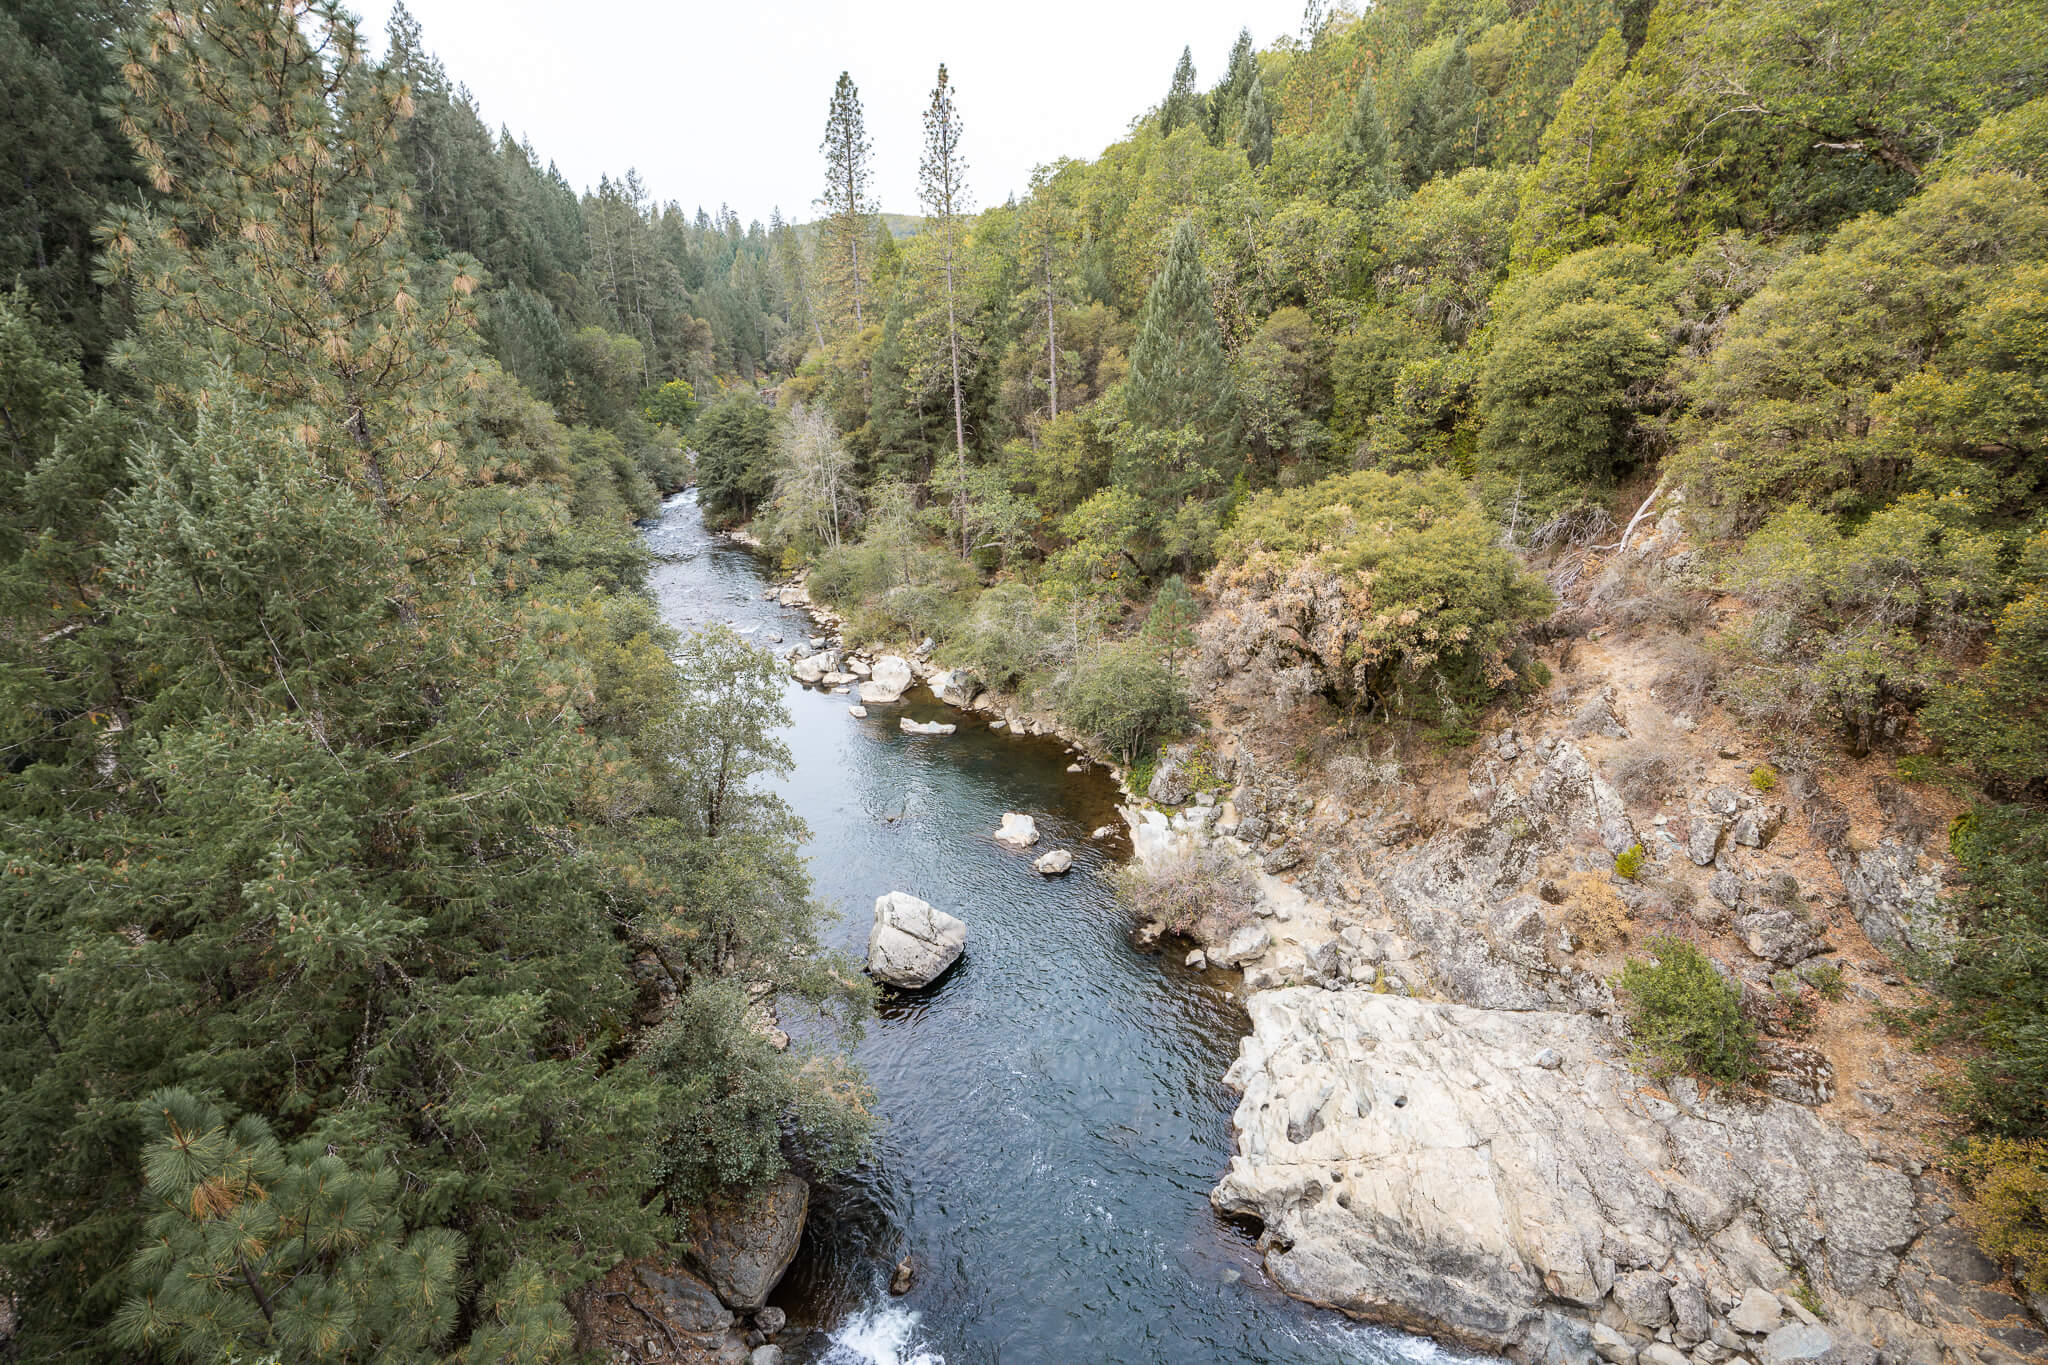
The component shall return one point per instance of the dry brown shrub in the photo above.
(1642, 775)
(1205, 894)
(1594, 912)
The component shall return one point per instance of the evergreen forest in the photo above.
(383, 881)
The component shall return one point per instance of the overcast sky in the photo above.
(725, 102)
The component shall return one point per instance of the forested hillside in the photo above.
(1348, 350)
(382, 881)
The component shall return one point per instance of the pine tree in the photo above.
(1182, 106)
(1226, 101)
(941, 178)
(1255, 130)
(848, 209)
(1365, 141)
(292, 1255)
(1179, 450)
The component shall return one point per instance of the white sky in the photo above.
(725, 103)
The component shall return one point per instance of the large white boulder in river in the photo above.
(925, 727)
(1053, 863)
(814, 668)
(955, 688)
(1019, 831)
(887, 680)
(912, 943)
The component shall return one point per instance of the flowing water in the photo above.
(1051, 1111)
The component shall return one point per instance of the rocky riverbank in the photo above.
(1442, 1127)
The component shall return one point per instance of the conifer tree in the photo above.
(849, 210)
(1365, 140)
(941, 181)
(1182, 106)
(1180, 405)
(1255, 129)
(1226, 101)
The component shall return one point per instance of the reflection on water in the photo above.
(1052, 1109)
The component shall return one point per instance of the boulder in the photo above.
(1703, 841)
(857, 712)
(769, 1321)
(1052, 864)
(1644, 1297)
(1170, 785)
(814, 668)
(925, 727)
(1779, 936)
(1810, 1344)
(911, 943)
(766, 1354)
(888, 679)
(742, 1246)
(616, 1315)
(1246, 944)
(1759, 1312)
(1019, 831)
(955, 687)
(1597, 717)
(1197, 959)
(1757, 827)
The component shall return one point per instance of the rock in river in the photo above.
(1019, 831)
(1053, 863)
(742, 1246)
(925, 727)
(912, 944)
(955, 688)
(888, 680)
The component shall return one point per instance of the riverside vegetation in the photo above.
(360, 831)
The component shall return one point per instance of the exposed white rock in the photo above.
(857, 712)
(1413, 1164)
(1053, 863)
(925, 727)
(1019, 831)
(912, 943)
(887, 680)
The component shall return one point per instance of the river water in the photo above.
(1051, 1111)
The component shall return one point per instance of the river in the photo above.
(1051, 1111)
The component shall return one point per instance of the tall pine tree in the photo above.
(941, 183)
(1182, 105)
(849, 209)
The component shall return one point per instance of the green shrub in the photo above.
(1684, 1017)
(2008, 1205)
(1391, 592)
(1629, 861)
(1825, 977)
(1996, 977)
(1125, 696)
(1763, 777)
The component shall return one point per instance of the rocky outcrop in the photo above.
(742, 1245)
(1504, 1180)
(925, 727)
(912, 944)
(662, 1315)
